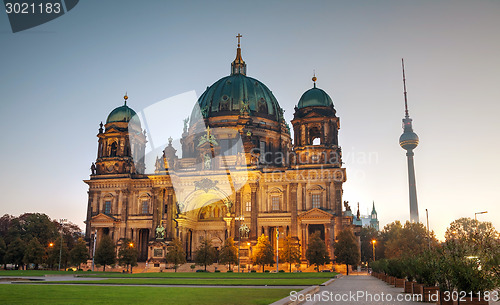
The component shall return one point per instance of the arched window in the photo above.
(144, 207)
(314, 136)
(262, 106)
(114, 148)
(143, 204)
(224, 103)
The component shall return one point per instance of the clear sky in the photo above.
(58, 81)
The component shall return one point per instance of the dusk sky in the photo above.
(61, 79)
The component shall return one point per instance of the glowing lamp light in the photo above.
(51, 245)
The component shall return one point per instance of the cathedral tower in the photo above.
(121, 144)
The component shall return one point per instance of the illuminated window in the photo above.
(275, 203)
(248, 206)
(107, 207)
(316, 201)
(145, 207)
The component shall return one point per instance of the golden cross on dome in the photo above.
(239, 36)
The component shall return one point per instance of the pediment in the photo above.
(315, 214)
(314, 114)
(100, 218)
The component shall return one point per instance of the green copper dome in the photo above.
(123, 114)
(315, 97)
(235, 93)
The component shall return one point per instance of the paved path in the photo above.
(361, 290)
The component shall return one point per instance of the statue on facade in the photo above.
(207, 164)
(208, 137)
(92, 168)
(244, 230)
(186, 120)
(244, 109)
(157, 164)
(160, 232)
(346, 206)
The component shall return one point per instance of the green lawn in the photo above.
(44, 272)
(208, 281)
(69, 294)
(221, 275)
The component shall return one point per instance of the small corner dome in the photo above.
(123, 114)
(315, 97)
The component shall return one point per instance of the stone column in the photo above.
(338, 198)
(293, 209)
(118, 205)
(156, 212)
(169, 212)
(238, 210)
(125, 201)
(300, 204)
(89, 216)
(97, 203)
(255, 210)
(303, 241)
(286, 207)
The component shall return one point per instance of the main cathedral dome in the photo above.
(234, 92)
(237, 93)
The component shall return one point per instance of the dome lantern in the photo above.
(238, 66)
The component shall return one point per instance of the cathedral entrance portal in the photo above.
(315, 228)
(143, 245)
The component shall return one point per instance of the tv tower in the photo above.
(409, 141)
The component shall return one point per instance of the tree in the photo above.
(408, 240)
(205, 254)
(263, 252)
(346, 249)
(34, 253)
(368, 234)
(79, 254)
(229, 253)
(56, 252)
(3, 249)
(15, 252)
(316, 253)
(472, 232)
(127, 254)
(389, 240)
(175, 253)
(105, 253)
(31, 225)
(290, 253)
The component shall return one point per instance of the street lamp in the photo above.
(93, 249)
(62, 221)
(475, 214)
(373, 247)
(428, 232)
(277, 250)
(239, 218)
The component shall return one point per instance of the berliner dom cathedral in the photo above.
(239, 174)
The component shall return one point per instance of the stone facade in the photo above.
(238, 169)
